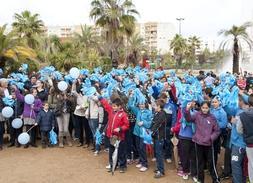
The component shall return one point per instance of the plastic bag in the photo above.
(98, 137)
(53, 137)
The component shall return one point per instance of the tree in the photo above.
(117, 18)
(12, 49)
(28, 26)
(179, 45)
(136, 46)
(87, 38)
(236, 35)
(193, 44)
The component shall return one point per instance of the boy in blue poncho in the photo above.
(143, 122)
(238, 147)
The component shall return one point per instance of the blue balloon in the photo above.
(29, 99)
(62, 85)
(74, 72)
(23, 138)
(17, 123)
(7, 112)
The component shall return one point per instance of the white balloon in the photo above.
(62, 85)
(74, 72)
(7, 112)
(24, 138)
(17, 123)
(29, 99)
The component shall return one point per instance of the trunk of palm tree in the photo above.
(236, 56)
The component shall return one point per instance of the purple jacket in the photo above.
(28, 111)
(207, 129)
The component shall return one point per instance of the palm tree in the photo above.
(11, 49)
(86, 39)
(193, 44)
(48, 46)
(179, 45)
(27, 26)
(136, 46)
(236, 35)
(117, 18)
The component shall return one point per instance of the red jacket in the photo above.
(117, 119)
(177, 126)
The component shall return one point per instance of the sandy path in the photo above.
(77, 165)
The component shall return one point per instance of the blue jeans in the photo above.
(159, 155)
(167, 149)
(141, 147)
(237, 156)
(93, 123)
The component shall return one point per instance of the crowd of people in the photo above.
(142, 110)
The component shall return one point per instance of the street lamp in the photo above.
(179, 20)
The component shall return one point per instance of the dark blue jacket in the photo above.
(46, 120)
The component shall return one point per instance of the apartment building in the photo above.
(156, 35)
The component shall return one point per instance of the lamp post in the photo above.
(179, 20)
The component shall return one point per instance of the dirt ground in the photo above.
(70, 165)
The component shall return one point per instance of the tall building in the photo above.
(68, 31)
(156, 35)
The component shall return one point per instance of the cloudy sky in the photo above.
(203, 18)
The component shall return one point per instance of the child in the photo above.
(244, 127)
(238, 147)
(117, 126)
(188, 154)
(46, 121)
(207, 131)
(159, 134)
(143, 122)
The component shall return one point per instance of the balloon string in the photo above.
(30, 128)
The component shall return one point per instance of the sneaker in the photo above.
(224, 176)
(180, 173)
(122, 170)
(96, 153)
(11, 145)
(26, 146)
(108, 167)
(79, 145)
(185, 176)
(169, 160)
(61, 145)
(195, 179)
(158, 175)
(143, 169)
(75, 139)
(153, 159)
(138, 165)
(34, 145)
(106, 150)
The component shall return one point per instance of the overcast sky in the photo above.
(203, 18)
